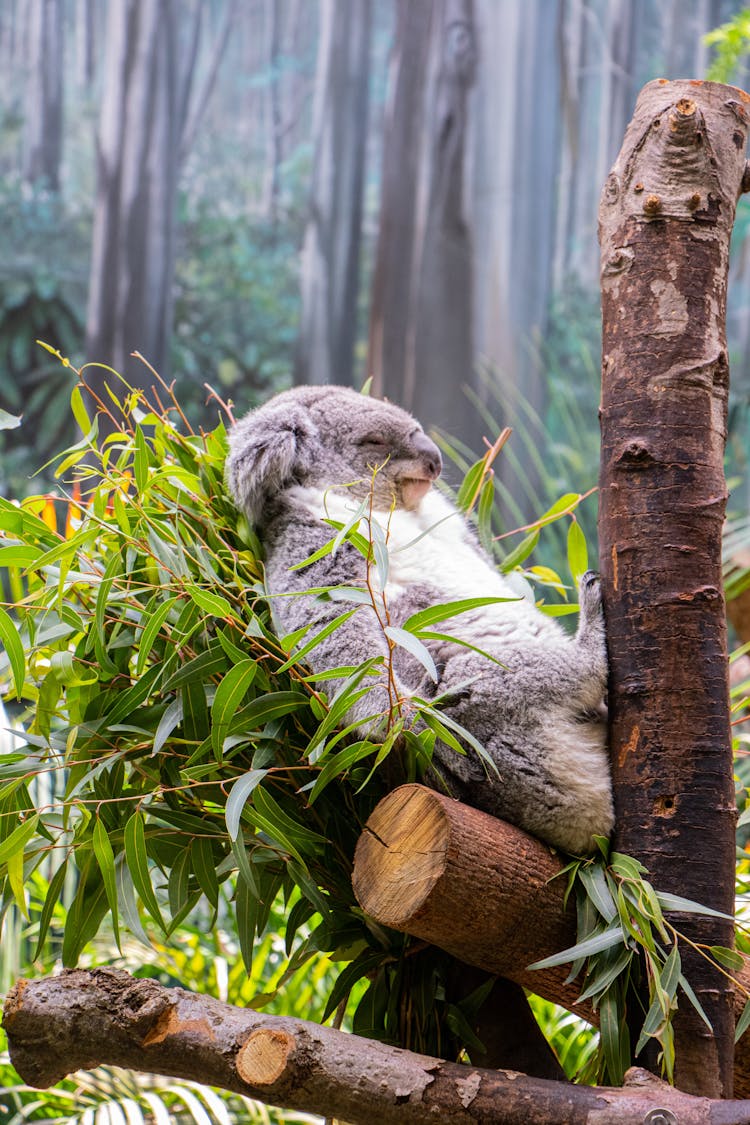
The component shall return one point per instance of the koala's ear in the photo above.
(268, 449)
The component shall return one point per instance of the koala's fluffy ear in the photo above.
(268, 450)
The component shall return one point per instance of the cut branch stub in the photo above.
(665, 222)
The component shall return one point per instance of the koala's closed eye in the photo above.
(376, 441)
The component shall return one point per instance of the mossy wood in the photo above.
(666, 218)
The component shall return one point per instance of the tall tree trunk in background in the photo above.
(130, 300)
(43, 110)
(392, 306)
(85, 39)
(148, 113)
(330, 258)
(443, 356)
(514, 187)
(665, 221)
(274, 122)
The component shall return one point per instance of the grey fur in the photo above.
(539, 713)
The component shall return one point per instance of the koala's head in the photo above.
(329, 437)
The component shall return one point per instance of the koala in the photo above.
(533, 697)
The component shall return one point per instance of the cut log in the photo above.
(56, 1025)
(482, 890)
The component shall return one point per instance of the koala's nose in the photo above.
(429, 453)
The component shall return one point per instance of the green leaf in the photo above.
(420, 652)
(205, 872)
(613, 935)
(238, 796)
(106, 859)
(171, 719)
(51, 900)
(729, 958)
(687, 988)
(671, 973)
(355, 971)
(210, 662)
(520, 553)
(84, 914)
(79, 410)
(578, 555)
(137, 860)
(229, 694)
(14, 648)
(426, 618)
(594, 880)
(313, 643)
(18, 838)
(687, 906)
(742, 1022)
(140, 461)
(469, 486)
(214, 604)
(151, 631)
(602, 975)
(339, 763)
(614, 1038)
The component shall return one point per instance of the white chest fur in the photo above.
(432, 545)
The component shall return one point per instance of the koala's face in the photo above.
(330, 437)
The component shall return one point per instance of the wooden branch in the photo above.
(665, 222)
(479, 888)
(56, 1025)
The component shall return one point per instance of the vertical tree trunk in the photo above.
(274, 125)
(330, 259)
(665, 220)
(515, 183)
(43, 114)
(392, 298)
(85, 41)
(144, 108)
(443, 351)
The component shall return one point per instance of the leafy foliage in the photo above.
(731, 41)
(626, 947)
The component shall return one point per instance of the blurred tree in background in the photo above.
(250, 193)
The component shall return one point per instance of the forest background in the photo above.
(249, 193)
(256, 192)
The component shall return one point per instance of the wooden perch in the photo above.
(57, 1025)
(479, 888)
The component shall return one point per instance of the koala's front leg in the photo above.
(359, 638)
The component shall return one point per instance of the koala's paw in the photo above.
(590, 596)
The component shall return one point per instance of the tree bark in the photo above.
(57, 1025)
(484, 891)
(665, 220)
(330, 256)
